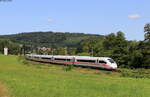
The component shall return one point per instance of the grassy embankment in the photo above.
(53, 81)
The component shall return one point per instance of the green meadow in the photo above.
(46, 80)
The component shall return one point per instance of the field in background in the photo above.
(54, 81)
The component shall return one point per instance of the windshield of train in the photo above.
(111, 60)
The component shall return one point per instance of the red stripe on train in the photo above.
(83, 63)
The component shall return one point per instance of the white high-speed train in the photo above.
(96, 62)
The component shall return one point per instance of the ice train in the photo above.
(86, 61)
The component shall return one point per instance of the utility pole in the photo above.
(66, 51)
(52, 52)
(92, 51)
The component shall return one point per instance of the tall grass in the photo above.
(52, 81)
(137, 73)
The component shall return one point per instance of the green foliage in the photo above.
(147, 32)
(120, 48)
(83, 54)
(139, 73)
(136, 59)
(62, 51)
(24, 61)
(89, 46)
(129, 54)
(71, 51)
(145, 50)
(69, 67)
(132, 75)
(49, 39)
(12, 47)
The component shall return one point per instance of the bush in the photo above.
(135, 75)
(28, 63)
(68, 67)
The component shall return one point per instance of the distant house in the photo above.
(46, 49)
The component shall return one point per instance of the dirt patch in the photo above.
(3, 90)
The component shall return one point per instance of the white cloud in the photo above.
(134, 16)
(50, 20)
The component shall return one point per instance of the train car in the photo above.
(87, 61)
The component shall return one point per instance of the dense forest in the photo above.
(49, 39)
(128, 54)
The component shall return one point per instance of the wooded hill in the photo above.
(50, 39)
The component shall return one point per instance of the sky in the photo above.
(86, 16)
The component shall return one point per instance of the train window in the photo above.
(63, 59)
(102, 62)
(60, 59)
(111, 60)
(68, 59)
(35, 57)
(90, 61)
(46, 58)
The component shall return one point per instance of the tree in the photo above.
(147, 32)
(146, 46)
(120, 49)
(49, 39)
(62, 51)
(12, 47)
(135, 56)
(109, 41)
(89, 46)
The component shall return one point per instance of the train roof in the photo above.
(69, 57)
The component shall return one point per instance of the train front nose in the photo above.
(112, 63)
(114, 66)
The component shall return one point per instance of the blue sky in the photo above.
(88, 16)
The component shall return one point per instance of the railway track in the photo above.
(118, 70)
